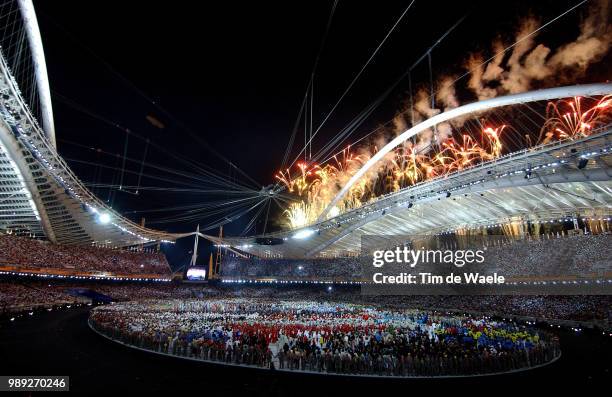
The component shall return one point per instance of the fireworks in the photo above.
(574, 119)
(407, 166)
(457, 156)
(316, 185)
(298, 185)
(493, 137)
(299, 214)
(463, 154)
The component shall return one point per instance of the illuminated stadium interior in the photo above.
(153, 233)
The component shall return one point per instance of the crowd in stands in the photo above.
(560, 255)
(546, 255)
(30, 253)
(327, 337)
(17, 297)
(21, 295)
(324, 268)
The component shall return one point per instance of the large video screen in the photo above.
(196, 273)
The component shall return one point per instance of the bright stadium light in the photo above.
(304, 233)
(104, 218)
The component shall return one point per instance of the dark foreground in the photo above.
(61, 343)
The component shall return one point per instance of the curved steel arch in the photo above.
(40, 67)
(526, 97)
(69, 216)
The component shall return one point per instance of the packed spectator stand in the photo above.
(18, 297)
(22, 253)
(542, 256)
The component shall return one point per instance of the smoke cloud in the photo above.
(526, 63)
(530, 62)
(506, 72)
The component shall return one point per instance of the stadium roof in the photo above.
(557, 181)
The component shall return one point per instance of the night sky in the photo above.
(231, 76)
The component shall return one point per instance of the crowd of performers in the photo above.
(327, 337)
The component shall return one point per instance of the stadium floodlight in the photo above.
(304, 233)
(104, 218)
